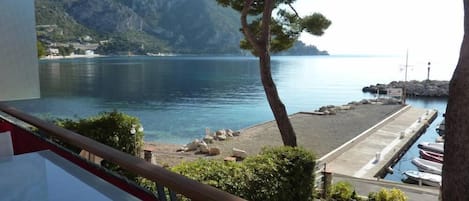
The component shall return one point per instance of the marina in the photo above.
(381, 145)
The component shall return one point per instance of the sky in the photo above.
(426, 28)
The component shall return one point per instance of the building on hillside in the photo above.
(53, 51)
(89, 52)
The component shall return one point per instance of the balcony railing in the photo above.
(164, 179)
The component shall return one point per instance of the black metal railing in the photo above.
(168, 183)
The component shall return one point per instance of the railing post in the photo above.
(160, 192)
(147, 155)
(327, 180)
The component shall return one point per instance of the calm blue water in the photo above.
(176, 98)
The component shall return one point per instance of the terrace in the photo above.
(33, 163)
(29, 147)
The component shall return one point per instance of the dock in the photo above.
(320, 134)
(369, 154)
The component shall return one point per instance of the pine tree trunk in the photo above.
(456, 164)
(278, 108)
(261, 47)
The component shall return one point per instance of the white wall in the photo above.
(19, 76)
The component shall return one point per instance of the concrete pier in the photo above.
(368, 154)
(320, 134)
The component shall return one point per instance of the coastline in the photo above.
(319, 134)
(50, 57)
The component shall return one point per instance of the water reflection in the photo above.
(166, 81)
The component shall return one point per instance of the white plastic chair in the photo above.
(6, 144)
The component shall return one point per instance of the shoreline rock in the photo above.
(332, 109)
(425, 88)
(202, 146)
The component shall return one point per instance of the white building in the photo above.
(53, 51)
(89, 52)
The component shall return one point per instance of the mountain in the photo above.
(141, 26)
(301, 49)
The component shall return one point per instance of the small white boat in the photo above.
(427, 166)
(432, 146)
(424, 177)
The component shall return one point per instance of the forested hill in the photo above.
(141, 26)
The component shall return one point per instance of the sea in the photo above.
(177, 97)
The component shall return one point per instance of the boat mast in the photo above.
(404, 95)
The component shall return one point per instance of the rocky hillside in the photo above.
(140, 26)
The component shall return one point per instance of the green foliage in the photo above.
(299, 48)
(315, 23)
(285, 27)
(227, 176)
(341, 191)
(119, 46)
(115, 129)
(65, 51)
(79, 51)
(111, 128)
(388, 195)
(41, 49)
(65, 28)
(282, 173)
(344, 191)
(133, 42)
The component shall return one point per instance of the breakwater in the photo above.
(425, 88)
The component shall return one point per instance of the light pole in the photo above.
(428, 71)
(404, 91)
(133, 132)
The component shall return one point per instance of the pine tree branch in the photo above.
(246, 31)
(294, 10)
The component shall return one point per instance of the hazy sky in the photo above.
(428, 28)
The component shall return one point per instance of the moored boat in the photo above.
(431, 156)
(432, 146)
(427, 166)
(441, 128)
(440, 139)
(424, 177)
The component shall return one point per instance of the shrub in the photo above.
(228, 176)
(282, 173)
(388, 195)
(341, 191)
(115, 129)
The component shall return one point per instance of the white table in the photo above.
(45, 176)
